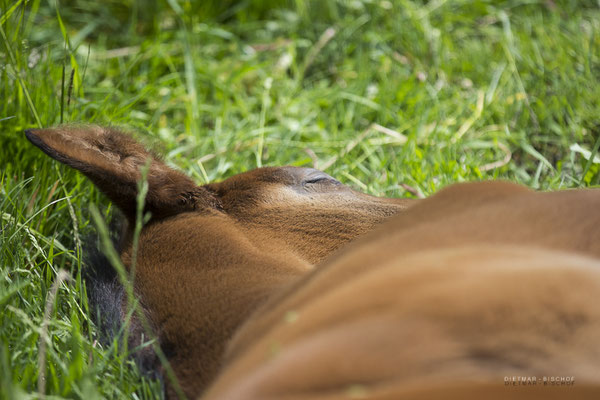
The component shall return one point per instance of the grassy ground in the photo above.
(396, 98)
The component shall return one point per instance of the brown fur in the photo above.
(478, 282)
(212, 254)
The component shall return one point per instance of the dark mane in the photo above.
(106, 296)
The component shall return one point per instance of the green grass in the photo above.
(459, 90)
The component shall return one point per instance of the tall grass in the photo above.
(395, 98)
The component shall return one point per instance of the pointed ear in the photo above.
(113, 160)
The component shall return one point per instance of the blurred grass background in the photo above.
(395, 98)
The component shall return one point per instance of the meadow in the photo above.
(396, 98)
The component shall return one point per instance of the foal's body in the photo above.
(478, 282)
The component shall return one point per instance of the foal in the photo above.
(454, 297)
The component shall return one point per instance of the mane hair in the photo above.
(106, 296)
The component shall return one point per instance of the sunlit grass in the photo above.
(391, 97)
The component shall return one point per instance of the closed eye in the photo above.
(322, 179)
(316, 180)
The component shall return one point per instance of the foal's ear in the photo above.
(113, 161)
